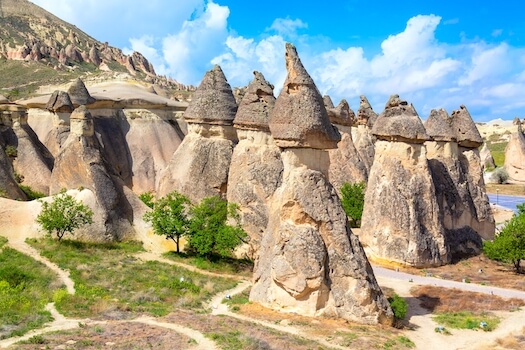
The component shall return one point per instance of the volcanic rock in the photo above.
(487, 161)
(309, 261)
(79, 94)
(60, 102)
(362, 133)
(515, 155)
(400, 221)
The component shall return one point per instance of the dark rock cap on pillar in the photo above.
(256, 105)
(439, 126)
(466, 131)
(342, 114)
(399, 122)
(365, 113)
(79, 94)
(213, 101)
(299, 119)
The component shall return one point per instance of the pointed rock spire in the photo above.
(399, 122)
(466, 131)
(213, 101)
(439, 126)
(79, 94)
(299, 118)
(256, 105)
(342, 114)
(327, 100)
(60, 102)
(365, 114)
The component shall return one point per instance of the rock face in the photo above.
(79, 94)
(487, 161)
(454, 200)
(309, 261)
(199, 167)
(400, 220)
(80, 164)
(60, 102)
(345, 163)
(515, 155)
(469, 141)
(8, 185)
(362, 133)
(256, 166)
(33, 161)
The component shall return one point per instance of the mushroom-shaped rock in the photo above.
(439, 126)
(79, 94)
(60, 102)
(466, 132)
(254, 109)
(81, 122)
(213, 101)
(299, 118)
(399, 122)
(342, 114)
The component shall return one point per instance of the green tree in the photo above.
(170, 217)
(353, 199)
(63, 215)
(148, 199)
(209, 231)
(509, 245)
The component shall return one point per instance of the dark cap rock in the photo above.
(439, 126)
(342, 114)
(256, 105)
(299, 118)
(213, 101)
(60, 102)
(467, 133)
(79, 94)
(365, 113)
(399, 122)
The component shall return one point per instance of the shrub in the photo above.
(11, 151)
(353, 199)
(399, 307)
(147, 198)
(500, 176)
(30, 193)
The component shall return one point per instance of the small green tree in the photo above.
(170, 217)
(353, 200)
(63, 214)
(209, 230)
(399, 307)
(509, 244)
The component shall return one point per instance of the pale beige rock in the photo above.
(487, 161)
(362, 133)
(515, 155)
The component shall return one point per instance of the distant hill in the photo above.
(37, 48)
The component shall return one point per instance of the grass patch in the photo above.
(400, 342)
(111, 283)
(497, 149)
(241, 267)
(467, 320)
(238, 299)
(26, 286)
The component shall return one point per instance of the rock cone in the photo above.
(79, 94)
(362, 133)
(515, 155)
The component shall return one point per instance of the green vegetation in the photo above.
(30, 193)
(467, 320)
(11, 151)
(509, 245)
(148, 199)
(109, 280)
(500, 175)
(216, 264)
(399, 307)
(400, 341)
(26, 286)
(63, 215)
(497, 149)
(170, 217)
(353, 199)
(209, 232)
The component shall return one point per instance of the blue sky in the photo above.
(433, 53)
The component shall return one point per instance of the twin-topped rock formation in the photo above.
(309, 260)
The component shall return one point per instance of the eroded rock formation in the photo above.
(362, 133)
(515, 155)
(345, 163)
(310, 262)
(199, 167)
(400, 220)
(487, 161)
(256, 165)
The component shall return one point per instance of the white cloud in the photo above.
(287, 27)
(486, 63)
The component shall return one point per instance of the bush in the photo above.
(209, 233)
(399, 307)
(500, 176)
(147, 198)
(11, 151)
(353, 199)
(30, 193)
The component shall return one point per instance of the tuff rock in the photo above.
(515, 155)
(362, 133)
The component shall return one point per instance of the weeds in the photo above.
(468, 320)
